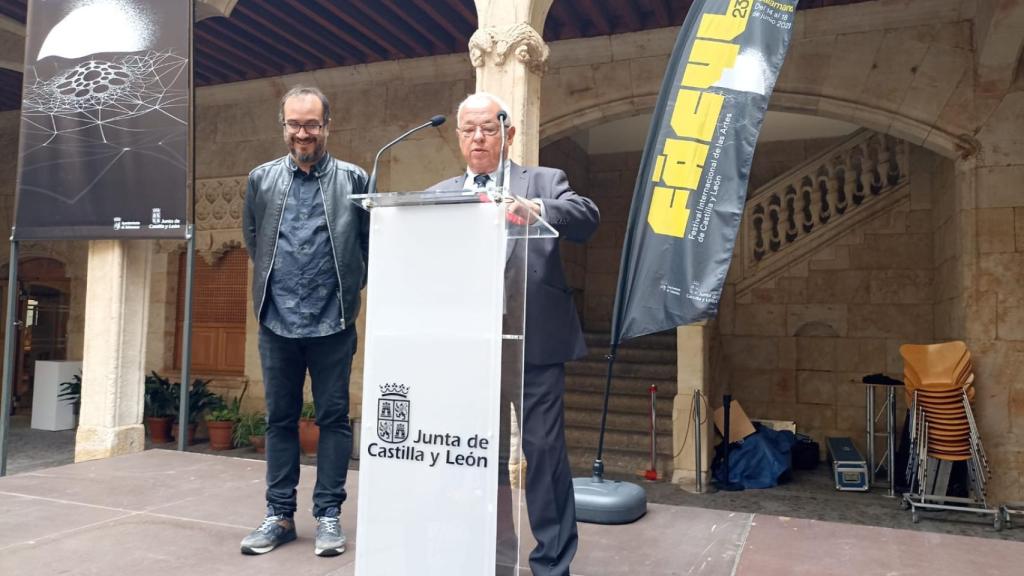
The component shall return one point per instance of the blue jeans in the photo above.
(285, 362)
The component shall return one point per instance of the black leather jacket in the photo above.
(347, 223)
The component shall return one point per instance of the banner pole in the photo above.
(9, 339)
(186, 343)
(190, 240)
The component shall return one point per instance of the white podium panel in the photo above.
(429, 433)
(48, 411)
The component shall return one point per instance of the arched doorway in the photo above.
(44, 297)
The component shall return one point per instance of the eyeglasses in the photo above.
(294, 127)
(488, 130)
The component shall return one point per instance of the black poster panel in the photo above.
(692, 183)
(104, 120)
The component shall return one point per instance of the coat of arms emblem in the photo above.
(393, 413)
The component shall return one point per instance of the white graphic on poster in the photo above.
(97, 26)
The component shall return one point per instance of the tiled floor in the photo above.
(167, 512)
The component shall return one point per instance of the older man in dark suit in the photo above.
(553, 333)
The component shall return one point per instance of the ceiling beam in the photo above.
(279, 40)
(212, 39)
(415, 48)
(217, 65)
(343, 34)
(418, 26)
(567, 18)
(661, 16)
(444, 21)
(242, 37)
(388, 44)
(631, 16)
(598, 17)
(336, 56)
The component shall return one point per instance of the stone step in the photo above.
(634, 355)
(653, 370)
(638, 423)
(620, 386)
(618, 403)
(661, 340)
(588, 436)
(618, 461)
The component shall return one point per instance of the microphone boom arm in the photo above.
(371, 186)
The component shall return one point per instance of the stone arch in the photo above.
(932, 138)
(56, 251)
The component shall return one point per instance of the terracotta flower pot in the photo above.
(309, 436)
(221, 433)
(191, 432)
(159, 429)
(259, 443)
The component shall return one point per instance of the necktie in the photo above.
(481, 180)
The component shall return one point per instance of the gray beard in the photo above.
(311, 158)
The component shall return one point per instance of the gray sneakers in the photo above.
(275, 530)
(330, 540)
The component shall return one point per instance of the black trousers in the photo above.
(285, 362)
(550, 500)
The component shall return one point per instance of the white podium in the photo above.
(48, 411)
(443, 362)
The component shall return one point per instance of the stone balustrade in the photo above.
(818, 196)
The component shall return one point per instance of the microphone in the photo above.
(502, 118)
(371, 186)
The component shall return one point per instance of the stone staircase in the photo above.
(639, 363)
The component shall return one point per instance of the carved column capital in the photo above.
(520, 40)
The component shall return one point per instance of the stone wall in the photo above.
(570, 157)
(796, 346)
(612, 180)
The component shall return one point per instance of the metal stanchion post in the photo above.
(697, 448)
(891, 440)
(870, 401)
(652, 472)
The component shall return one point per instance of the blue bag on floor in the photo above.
(757, 461)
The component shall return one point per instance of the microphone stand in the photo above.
(500, 184)
(371, 186)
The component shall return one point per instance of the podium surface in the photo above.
(443, 364)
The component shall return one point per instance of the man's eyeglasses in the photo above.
(488, 130)
(294, 127)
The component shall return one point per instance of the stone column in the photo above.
(510, 58)
(116, 313)
(692, 374)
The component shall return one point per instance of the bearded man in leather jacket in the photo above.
(308, 244)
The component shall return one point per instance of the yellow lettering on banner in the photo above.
(707, 60)
(696, 114)
(694, 117)
(684, 163)
(726, 27)
(659, 165)
(668, 214)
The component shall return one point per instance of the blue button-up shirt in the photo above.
(304, 301)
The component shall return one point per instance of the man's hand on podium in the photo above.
(522, 211)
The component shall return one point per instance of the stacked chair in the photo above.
(939, 384)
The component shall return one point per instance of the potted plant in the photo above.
(251, 429)
(309, 432)
(221, 421)
(71, 392)
(160, 407)
(200, 399)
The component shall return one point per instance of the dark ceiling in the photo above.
(265, 38)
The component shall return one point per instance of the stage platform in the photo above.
(164, 512)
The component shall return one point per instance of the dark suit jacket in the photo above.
(553, 332)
